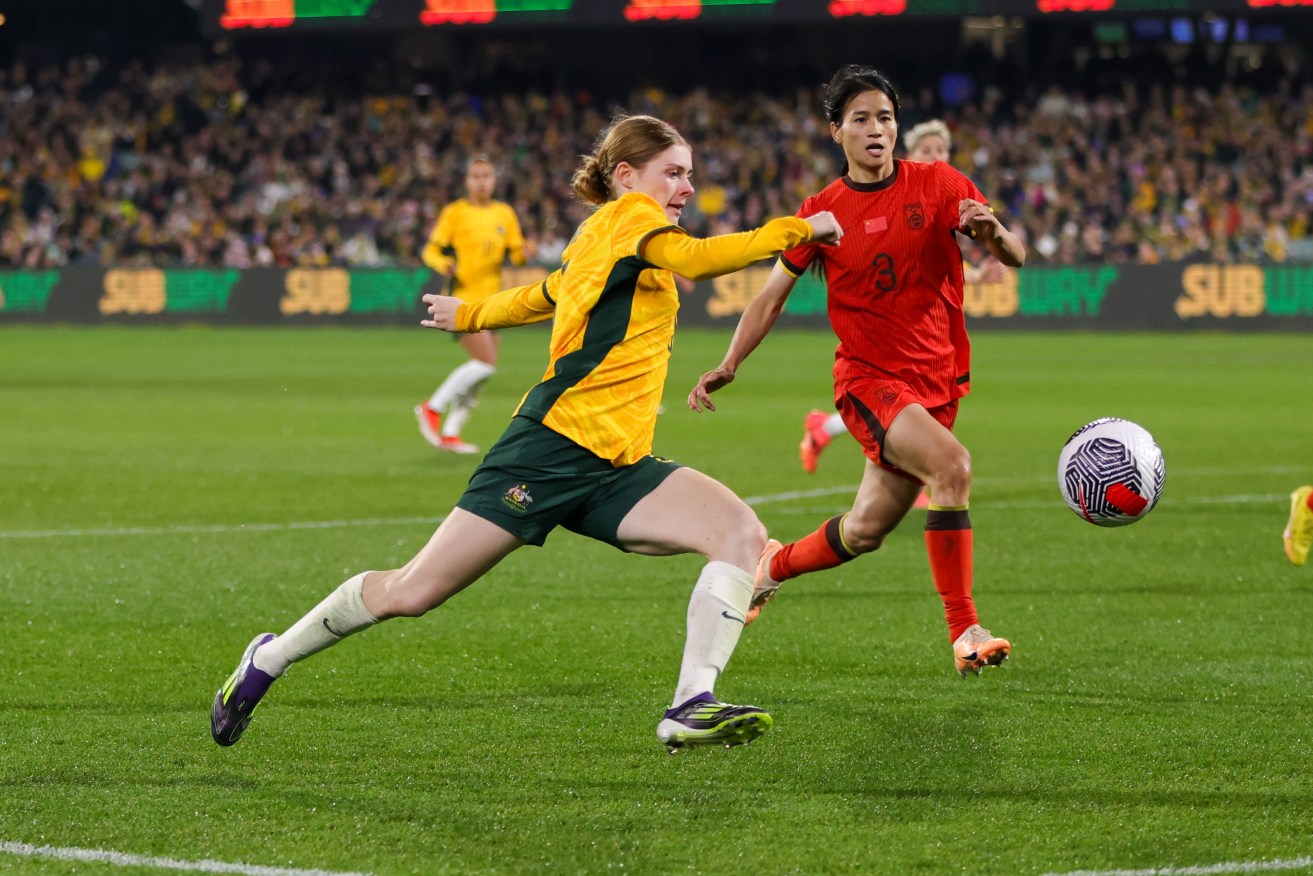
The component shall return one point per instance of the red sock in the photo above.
(823, 549)
(948, 542)
(1309, 501)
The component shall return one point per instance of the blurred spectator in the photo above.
(231, 163)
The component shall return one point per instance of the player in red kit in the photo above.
(894, 288)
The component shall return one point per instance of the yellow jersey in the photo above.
(614, 302)
(476, 240)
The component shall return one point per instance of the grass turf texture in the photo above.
(1155, 712)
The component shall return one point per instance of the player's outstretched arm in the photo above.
(702, 259)
(519, 306)
(758, 318)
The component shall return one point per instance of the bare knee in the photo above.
(740, 540)
(950, 483)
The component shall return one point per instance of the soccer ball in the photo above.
(1111, 472)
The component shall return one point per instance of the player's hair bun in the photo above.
(590, 182)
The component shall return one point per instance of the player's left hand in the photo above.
(442, 309)
(976, 220)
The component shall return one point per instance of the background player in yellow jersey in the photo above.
(578, 452)
(469, 243)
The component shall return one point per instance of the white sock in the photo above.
(835, 426)
(458, 413)
(459, 383)
(342, 613)
(716, 611)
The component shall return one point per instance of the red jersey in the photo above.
(894, 283)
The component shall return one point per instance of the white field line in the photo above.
(1202, 869)
(187, 529)
(849, 490)
(770, 499)
(120, 859)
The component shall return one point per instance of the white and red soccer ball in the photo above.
(1111, 472)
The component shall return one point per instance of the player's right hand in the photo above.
(700, 398)
(825, 228)
(442, 309)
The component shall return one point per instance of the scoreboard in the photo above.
(255, 15)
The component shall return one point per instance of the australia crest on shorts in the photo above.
(518, 498)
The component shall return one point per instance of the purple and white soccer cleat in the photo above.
(704, 720)
(235, 702)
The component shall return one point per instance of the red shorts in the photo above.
(868, 406)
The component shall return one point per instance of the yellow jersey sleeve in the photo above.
(438, 253)
(522, 305)
(702, 259)
(514, 237)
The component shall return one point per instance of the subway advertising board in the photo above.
(1118, 297)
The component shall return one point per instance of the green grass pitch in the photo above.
(165, 494)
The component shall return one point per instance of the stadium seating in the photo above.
(226, 163)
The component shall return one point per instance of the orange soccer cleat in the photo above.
(453, 444)
(764, 587)
(814, 440)
(977, 648)
(430, 424)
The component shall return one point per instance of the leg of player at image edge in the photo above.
(1298, 534)
(716, 616)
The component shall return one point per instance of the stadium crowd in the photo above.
(229, 163)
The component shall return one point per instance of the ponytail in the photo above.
(590, 182)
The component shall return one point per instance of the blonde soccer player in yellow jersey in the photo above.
(578, 452)
(471, 240)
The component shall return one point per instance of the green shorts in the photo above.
(534, 480)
